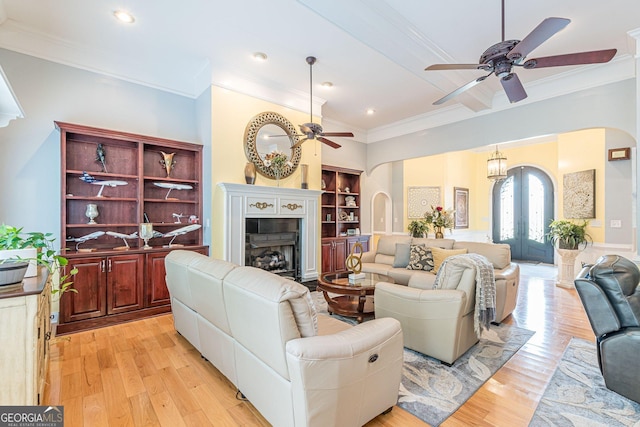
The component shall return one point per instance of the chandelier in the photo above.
(496, 166)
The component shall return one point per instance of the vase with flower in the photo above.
(439, 218)
(277, 161)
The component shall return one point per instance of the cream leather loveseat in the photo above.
(262, 332)
(391, 257)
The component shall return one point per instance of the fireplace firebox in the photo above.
(272, 244)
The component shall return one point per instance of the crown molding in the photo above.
(289, 98)
(23, 39)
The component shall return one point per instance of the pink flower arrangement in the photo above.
(439, 217)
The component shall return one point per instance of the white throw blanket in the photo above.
(485, 309)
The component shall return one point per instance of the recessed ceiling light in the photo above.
(124, 16)
(259, 56)
(371, 111)
(327, 85)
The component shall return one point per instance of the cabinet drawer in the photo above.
(261, 205)
(292, 206)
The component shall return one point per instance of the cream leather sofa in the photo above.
(262, 332)
(390, 258)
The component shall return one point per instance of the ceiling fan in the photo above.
(313, 130)
(500, 58)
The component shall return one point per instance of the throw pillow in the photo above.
(420, 258)
(401, 258)
(439, 255)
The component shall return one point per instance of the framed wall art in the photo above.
(461, 205)
(578, 199)
(619, 154)
(420, 200)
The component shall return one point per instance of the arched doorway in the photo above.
(522, 211)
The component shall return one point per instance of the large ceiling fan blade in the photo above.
(305, 129)
(458, 67)
(580, 58)
(461, 89)
(328, 142)
(539, 35)
(513, 87)
(299, 143)
(349, 134)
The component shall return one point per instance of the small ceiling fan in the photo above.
(500, 58)
(313, 130)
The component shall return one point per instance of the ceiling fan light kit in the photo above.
(314, 130)
(500, 59)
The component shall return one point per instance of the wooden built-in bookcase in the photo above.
(114, 283)
(340, 221)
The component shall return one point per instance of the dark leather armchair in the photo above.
(611, 297)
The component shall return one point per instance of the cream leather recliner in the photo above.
(435, 322)
(262, 332)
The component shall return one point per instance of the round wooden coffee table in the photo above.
(350, 299)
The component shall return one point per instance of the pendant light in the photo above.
(496, 166)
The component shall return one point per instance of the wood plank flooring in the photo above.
(144, 374)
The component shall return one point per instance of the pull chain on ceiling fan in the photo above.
(500, 58)
(313, 130)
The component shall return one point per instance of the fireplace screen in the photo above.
(272, 245)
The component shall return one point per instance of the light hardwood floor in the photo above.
(144, 374)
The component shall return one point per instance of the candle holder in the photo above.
(146, 233)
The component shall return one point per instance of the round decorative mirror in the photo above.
(268, 139)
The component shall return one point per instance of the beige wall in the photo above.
(571, 152)
(230, 114)
(578, 151)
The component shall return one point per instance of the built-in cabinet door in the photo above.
(327, 257)
(91, 283)
(155, 279)
(334, 254)
(157, 292)
(340, 254)
(125, 276)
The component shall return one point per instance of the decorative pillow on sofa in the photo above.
(420, 258)
(401, 258)
(439, 255)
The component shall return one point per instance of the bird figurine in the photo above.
(167, 161)
(101, 157)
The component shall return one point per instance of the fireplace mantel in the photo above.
(242, 201)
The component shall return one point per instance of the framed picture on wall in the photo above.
(420, 200)
(461, 205)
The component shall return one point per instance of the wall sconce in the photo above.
(496, 166)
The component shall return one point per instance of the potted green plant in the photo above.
(418, 228)
(565, 234)
(43, 254)
(14, 255)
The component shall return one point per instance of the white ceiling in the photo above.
(374, 51)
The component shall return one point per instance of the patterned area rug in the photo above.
(432, 391)
(576, 395)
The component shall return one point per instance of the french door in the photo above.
(522, 211)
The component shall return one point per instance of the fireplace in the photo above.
(272, 244)
(245, 204)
